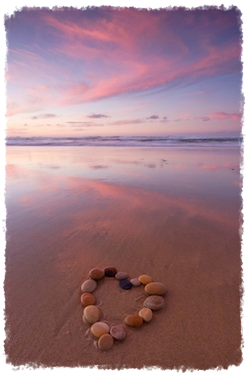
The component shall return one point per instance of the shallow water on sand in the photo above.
(173, 213)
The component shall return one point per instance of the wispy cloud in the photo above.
(97, 115)
(205, 118)
(127, 122)
(157, 118)
(225, 116)
(83, 124)
(222, 116)
(130, 51)
(44, 116)
(153, 117)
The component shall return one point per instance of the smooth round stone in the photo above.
(121, 275)
(96, 273)
(135, 282)
(154, 302)
(110, 271)
(105, 342)
(133, 320)
(98, 329)
(125, 284)
(91, 314)
(155, 288)
(118, 332)
(88, 286)
(145, 279)
(146, 314)
(87, 299)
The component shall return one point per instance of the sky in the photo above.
(124, 71)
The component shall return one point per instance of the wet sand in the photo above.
(171, 213)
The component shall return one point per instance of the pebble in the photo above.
(89, 286)
(135, 282)
(96, 274)
(133, 320)
(87, 299)
(125, 284)
(99, 328)
(91, 314)
(105, 342)
(155, 288)
(154, 302)
(145, 279)
(118, 332)
(121, 275)
(146, 314)
(110, 271)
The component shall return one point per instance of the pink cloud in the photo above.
(120, 31)
(222, 116)
(138, 75)
(127, 122)
(7, 75)
(94, 40)
(123, 53)
(128, 71)
(225, 116)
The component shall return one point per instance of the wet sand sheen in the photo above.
(75, 223)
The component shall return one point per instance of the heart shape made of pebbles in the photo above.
(105, 334)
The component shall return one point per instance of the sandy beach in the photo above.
(171, 213)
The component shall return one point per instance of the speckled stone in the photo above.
(145, 279)
(99, 328)
(110, 271)
(87, 299)
(133, 320)
(146, 314)
(91, 314)
(135, 282)
(154, 302)
(88, 286)
(96, 273)
(125, 284)
(105, 342)
(155, 288)
(118, 332)
(121, 275)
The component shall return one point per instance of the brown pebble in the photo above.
(105, 342)
(89, 286)
(91, 314)
(99, 328)
(155, 288)
(87, 299)
(133, 320)
(146, 314)
(96, 273)
(145, 279)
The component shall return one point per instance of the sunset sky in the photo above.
(108, 71)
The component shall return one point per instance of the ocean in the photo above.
(128, 141)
